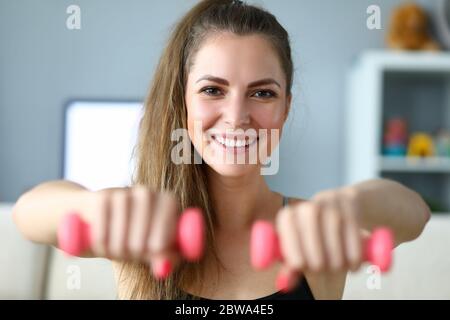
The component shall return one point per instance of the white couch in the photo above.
(29, 271)
(421, 268)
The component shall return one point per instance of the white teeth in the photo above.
(231, 143)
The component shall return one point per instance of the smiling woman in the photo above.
(225, 78)
(227, 67)
(249, 93)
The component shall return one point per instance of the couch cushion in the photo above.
(22, 263)
(421, 268)
(79, 278)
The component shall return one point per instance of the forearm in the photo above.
(389, 203)
(38, 211)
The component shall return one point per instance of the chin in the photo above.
(233, 170)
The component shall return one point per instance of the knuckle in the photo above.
(140, 191)
(121, 196)
(350, 194)
(303, 210)
(317, 265)
(326, 195)
(309, 211)
(312, 207)
(284, 216)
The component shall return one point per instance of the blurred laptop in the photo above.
(99, 140)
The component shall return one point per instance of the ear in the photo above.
(288, 106)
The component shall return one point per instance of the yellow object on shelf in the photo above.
(421, 145)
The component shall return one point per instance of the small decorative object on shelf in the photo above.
(421, 145)
(409, 29)
(412, 87)
(443, 22)
(395, 137)
(442, 142)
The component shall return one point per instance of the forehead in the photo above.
(232, 56)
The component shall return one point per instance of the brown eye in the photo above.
(211, 91)
(265, 94)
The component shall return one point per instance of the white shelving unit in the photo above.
(413, 164)
(415, 86)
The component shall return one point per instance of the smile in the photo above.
(235, 144)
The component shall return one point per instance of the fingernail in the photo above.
(162, 269)
(282, 283)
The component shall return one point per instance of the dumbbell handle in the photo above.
(75, 237)
(265, 247)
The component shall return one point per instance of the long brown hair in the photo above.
(165, 111)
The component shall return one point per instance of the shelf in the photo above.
(415, 164)
(407, 61)
(412, 85)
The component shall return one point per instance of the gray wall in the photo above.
(43, 64)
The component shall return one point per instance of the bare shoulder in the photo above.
(323, 286)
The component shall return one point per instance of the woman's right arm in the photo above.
(38, 211)
(133, 223)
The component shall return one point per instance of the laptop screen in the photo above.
(99, 140)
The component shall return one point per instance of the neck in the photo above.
(239, 201)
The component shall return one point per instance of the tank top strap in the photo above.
(285, 201)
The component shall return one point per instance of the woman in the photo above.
(227, 68)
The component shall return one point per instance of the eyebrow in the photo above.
(251, 85)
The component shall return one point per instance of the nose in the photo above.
(236, 113)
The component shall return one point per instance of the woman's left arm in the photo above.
(383, 202)
(322, 238)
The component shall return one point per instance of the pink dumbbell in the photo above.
(74, 234)
(265, 248)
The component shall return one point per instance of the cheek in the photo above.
(201, 114)
(272, 118)
(272, 122)
(201, 111)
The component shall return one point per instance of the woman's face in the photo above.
(228, 106)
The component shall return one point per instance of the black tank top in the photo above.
(300, 292)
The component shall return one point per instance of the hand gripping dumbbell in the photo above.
(74, 234)
(265, 247)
